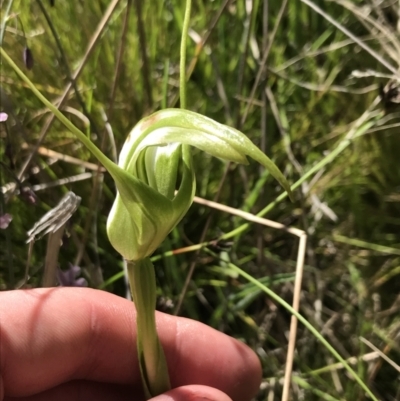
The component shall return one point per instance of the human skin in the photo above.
(80, 344)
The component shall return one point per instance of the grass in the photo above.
(302, 88)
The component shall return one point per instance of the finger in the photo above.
(50, 336)
(193, 393)
(91, 391)
(79, 390)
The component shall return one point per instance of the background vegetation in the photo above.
(317, 86)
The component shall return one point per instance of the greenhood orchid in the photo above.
(146, 208)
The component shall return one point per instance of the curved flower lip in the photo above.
(209, 143)
(187, 127)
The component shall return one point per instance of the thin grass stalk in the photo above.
(97, 181)
(248, 24)
(182, 64)
(363, 124)
(66, 65)
(263, 63)
(201, 240)
(387, 34)
(118, 62)
(93, 201)
(200, 46)
(107, 163)
(182, 100)
(360, 43)
(92, 44)
(4, 22)
(146, 74)
(164, 98)
(293, 322)
(307, 324)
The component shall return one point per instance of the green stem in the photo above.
(4, 22)
(153, 365)
(164, 98)
(107, 163)
(23, 30)
(182, 66)
(186, 153)
(66, 64)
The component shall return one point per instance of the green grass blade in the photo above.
(307, 324)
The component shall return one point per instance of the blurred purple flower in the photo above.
(5, 220)
(3, 117)
(68, 278)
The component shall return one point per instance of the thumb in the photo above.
(192, 393)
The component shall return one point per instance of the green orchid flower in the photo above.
(146, 208)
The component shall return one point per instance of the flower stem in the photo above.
(182, 66)
(153, 365)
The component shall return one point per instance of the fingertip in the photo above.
(193, 393)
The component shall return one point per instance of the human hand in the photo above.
(80, 344)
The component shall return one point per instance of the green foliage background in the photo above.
(307, 100)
